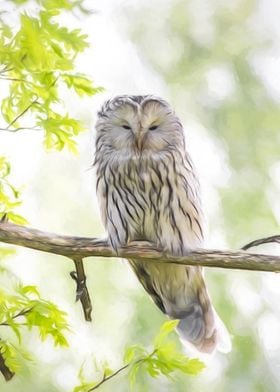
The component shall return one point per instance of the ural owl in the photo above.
(148, 190)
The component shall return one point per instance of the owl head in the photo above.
(133, 124)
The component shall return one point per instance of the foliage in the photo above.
(9, 195)
(37, 57)
(164, 359)
(25, 302)
(26, 309)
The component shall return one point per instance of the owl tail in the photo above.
(203, 331)
(181, 293)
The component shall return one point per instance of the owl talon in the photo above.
(115, 250)
(141, 243)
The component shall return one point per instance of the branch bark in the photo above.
(81, 247)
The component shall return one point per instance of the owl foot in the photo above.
(142, 244)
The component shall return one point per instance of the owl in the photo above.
(148, 190)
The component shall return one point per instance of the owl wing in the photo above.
(179, 291)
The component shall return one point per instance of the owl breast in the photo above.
(153, 197)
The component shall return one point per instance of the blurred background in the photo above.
(218, 64)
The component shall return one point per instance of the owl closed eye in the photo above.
(136, 125)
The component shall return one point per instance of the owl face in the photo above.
(138, 125)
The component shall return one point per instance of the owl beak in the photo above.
(140, 140)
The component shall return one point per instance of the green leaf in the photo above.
(165, 330)
(194, 366)
(174, 360)
(16, 218)
(133, 353)
(27, 290)
(8, 109)
(133, 372)
(49, 320)
(81, 84)
(58, 4)
(9, 195)
(5, 167)
(6, 31)
(85, 387)
(60, 131)
(13, 356)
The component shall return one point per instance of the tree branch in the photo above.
(81, 247)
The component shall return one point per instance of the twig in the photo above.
(104, 379)
(81, 247)
(17, 80)
(34, 128)
(261, 241)
(82, 293)
(121, 369)
(21, 313)
(36, 100)
(5, 69)
(22, 113)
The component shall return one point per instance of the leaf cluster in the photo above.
(25, 309)
(163, 360)
(9, 195)
(36, 60)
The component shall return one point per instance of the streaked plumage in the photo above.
(148, 189)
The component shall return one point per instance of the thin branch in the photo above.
(34, 128)
(121, 369)
(82, 247)
(82, 293)
(36, 100)
(17, 80)
(261, 241)
(104, 379)
(5, 69)
(21, 313)
(22, 113)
